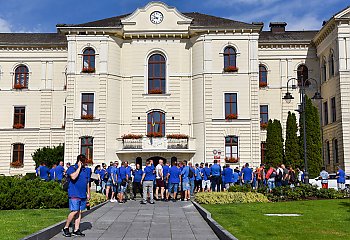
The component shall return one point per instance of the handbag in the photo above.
(94, 176)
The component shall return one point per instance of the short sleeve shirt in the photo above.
(184, 173)
(159, 169)
(59, 172)
(247, 174)
(174, 174)
(78, 188)
(148, 171)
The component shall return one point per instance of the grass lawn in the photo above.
(321, 219)
(16, 224)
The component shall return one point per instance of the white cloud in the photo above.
(4, 26)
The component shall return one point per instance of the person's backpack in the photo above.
(279, 175)
(65, 181)
(190, 173)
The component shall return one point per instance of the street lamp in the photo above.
(288, 97)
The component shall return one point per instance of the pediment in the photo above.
(140, 20)
(343, 14)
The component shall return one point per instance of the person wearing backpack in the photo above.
(292, 177)
(279, 176)
(271, 176)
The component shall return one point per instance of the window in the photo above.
(156, 74)
(264, 114)
(334, 110)
(303, 75)
(331, 64)
(335, 151)
(87, 147)
(18, 154)
(325, 109)
(324, 70)
(89, 60)
(230, 105)
(21, 77)
(262, 76)
(156, 124)
(263, 151)
(328, 153)
(87, 106)
(230, 56)
(19, 117)
(231, 148)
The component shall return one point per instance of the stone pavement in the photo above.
(134, 221)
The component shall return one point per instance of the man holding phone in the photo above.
(78, 194)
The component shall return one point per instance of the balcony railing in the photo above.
(177, 143)
(132, 143)
(163, 143)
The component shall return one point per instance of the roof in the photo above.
(287, 36)
(23, 39)
(199, 20)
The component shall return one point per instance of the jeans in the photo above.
(147, 187)
(103, 185)
(271, 183)
(192, 187)
(215, 183)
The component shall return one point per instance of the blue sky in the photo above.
(43, 15)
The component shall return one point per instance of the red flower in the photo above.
(87, 117)
(231, 160)
(155, 91)
(177, 136)
(231, 69)
(263, 126)
(18, 86)
(154, 135)
(18, 126)
(231, 116)
(88, 70)
(16, 164)
(262, 84)
(132, 136)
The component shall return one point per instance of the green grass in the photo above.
(16, 224)
(321, 219)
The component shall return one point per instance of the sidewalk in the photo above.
(134, 221)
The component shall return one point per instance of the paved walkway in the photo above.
(134, 221)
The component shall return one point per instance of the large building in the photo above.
(195, 87)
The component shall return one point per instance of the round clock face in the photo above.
(156, 17)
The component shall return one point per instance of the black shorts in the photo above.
(160, 183)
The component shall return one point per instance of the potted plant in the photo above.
(18, 125)
(262, 84)
(231, 116)
(231, 69)
(87, 117)
(231, 159)
(154, 135)
(16, 164)
(177, 136)
(263, 126)
(155, 91)
(88, 70)
(132, 136)
(18, 86)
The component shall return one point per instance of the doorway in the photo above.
(156, 160)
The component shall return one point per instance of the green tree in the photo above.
(274, 143)
(292, 152)
(48, 155)
(313, 139)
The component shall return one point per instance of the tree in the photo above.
(274, 144)
(313, 139)
(292, 152)
(48, 155)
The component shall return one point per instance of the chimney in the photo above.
(260, 24)
(278, 27)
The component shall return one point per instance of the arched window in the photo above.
(21, 77)
(89, 60)
(156, 124)
(303, 75)
(156, 74)
(324, 70)
(230, 55)
(262, 76)
(331, 64)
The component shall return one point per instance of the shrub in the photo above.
(229, 197)
(49, 155)
(96, 198)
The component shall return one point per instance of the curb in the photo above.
(53, 230)
(221, 232)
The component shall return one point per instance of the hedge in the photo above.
(229, 197)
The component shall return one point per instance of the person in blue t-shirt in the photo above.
(174, 177)
(186, 181)
(235, 176)
(206, 184)
(44, 172)
(340, 179)
(198, 178)
(228, 176)
(128, 187)
(215, 176)
(136, 185)
(109, 184)
(59, 171)
(113, 179)
(53, 173)
(191, 177)
(122, 182)
(247, 175)
(78, 194)
(103, 177)
(166, 180)
(147, 182)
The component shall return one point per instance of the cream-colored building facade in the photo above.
(207, 80)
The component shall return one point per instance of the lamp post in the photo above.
(288, 97)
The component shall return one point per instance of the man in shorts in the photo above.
(174, 177)
(206, 184)
(186, 181)
(78, 194)
(113, 181)
(159, 181)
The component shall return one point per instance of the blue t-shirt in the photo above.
(138, 175)
(102, 173)
(165, 170)
(44, 172)
(149, 175)
(235, 177)
(78, 188)
(59, 172)
(52, 174)
(184, 173)
(121, 174)
(128, 171)
(206, 173)
(174, 174)
(109, 171)
(247, 174)
(228, 175)
(215, 170)
(193, 171)
(113, 173)
(341, 178)
(198, 174)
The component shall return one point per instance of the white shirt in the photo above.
(159, 169)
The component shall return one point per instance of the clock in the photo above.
(156, 17)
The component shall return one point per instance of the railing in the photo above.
(177, 143)
(132, 143)
(163, 143)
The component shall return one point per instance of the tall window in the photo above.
(262, 76)
(325, 110)
(18, 154)
(335, 151)
(328, 153)
(264, 114)
(231, 147)
(331, 64)
(156, 124)
(87, 147)
(19, 117)
(21, 77)
(230, 56)
(230, 105)
(324, 70)
(89, 60)
(302, 75)
(156, 74)
(263, 151)
(87, 105)
(334, 110)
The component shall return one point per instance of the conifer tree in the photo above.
(292, 152)
(274, 144)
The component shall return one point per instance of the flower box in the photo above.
(87, 117)
(89, 161)
(154, 135)
(231, 160)
(88, 70)
(177, 136)
(231, 116)
(18, 86)
(18, 126)
(16, 164)
(263, 126)
(231, 69)
(262, 84)
(132, 136)
(155, 91)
